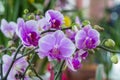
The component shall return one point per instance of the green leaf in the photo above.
(38, 6)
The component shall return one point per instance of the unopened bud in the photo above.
(74, 28)
(91, 51)
(32, 16)
(85, 22)
(26, 11)
(98, 28)
(30, 73)
(10, 43)
(13, 49)
(114, 59)
(109, 43)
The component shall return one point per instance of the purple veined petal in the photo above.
(69, 64)
(82, 53)
(8, 29)
(67, 48)
(76, 63)
(20, 23)
(6, 59)
(93, 33)
(58, 35)
(93, 40)
(55, 15)
(4, 24)
(81, 44)
(80, 34)
(47, 16)
(90, 43)
(80, 39)
(6, 63)
(43, 24)
(12, 74)
(73, 63)
(55, 18)
(46, 43)
(32, 25)
(21, 63)
(87, 28)
(70, 34)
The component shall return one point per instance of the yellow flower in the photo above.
(67, 21)
(31, 1)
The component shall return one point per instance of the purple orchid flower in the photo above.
(28, 32)
(82, 53)
(87, 38)
(74, 62)
(55, 18)
(17, 69)
(55, 46)
(8, 29)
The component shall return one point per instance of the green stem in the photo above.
(65, 11)
(103, 41)
(55, 30)
(107, 49)
(27, 53)
(59, 71)
(35, 71)
(28, 65)
(1, 69)
(17, 51)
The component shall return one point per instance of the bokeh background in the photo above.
(105, 13)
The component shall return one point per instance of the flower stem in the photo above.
(55, 30)
(18, 49)
(35, 71)
(59, 71)
(1, 69)
(27, 53)
(28, 65)
(107, 49)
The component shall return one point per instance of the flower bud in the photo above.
(31, 16)
(26, 11)
(114, 59)
(13, 49)
(109, 43)
(85, 22)
(98, 28)
(91, 51)
(30, 73)
(10, 43)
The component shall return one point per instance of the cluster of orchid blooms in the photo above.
(69, 44)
